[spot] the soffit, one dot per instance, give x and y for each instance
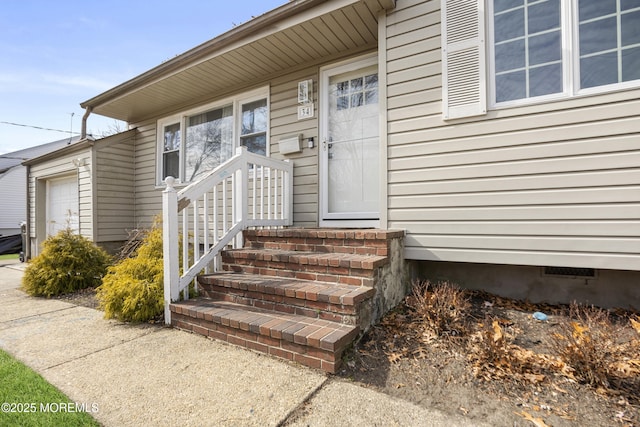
(322, 31)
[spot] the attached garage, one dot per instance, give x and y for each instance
(87, 186)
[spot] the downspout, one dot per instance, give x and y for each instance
(27, 248)
(83, 130)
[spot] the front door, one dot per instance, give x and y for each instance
(349, 151)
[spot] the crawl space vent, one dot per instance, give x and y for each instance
(570, 272)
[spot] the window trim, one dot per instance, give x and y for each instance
(570, 61)
(181, 118)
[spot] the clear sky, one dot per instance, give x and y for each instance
(57, 54)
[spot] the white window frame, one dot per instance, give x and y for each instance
(570, 61)
(182, 117)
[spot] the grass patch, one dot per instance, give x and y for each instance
(9, 256)
(34, 400)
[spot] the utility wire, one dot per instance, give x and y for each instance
(38, 127)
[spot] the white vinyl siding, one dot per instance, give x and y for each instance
(13, 193)
(284, 122)
(114, 192)
(547, 184)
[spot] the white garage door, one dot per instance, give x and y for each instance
(62, 204)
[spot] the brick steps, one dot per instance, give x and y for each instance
(351, 269)
(298, 294)
(328, 301)
(312, 342)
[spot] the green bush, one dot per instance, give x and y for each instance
(132, 290)
(68, 262)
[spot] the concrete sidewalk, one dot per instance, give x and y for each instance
(151, 375)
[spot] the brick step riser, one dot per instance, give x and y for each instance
(360, 247)
(346, 279)
(328, 361)
(283, 304)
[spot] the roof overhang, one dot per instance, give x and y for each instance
(81, 146)
(295, 35)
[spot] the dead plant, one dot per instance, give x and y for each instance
(494, 355)
(588, 342)
(443, 306)
(130, 247)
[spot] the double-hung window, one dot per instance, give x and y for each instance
(502, 53)
(196, 142)
(545, 49)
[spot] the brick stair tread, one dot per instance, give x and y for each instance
(326, 233)
(311, 290)
(316, 333)
(330, 259)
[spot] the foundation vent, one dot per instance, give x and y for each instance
(570, 272)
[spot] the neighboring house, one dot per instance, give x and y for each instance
(13, 183)
(504, 137)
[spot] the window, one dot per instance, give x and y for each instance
(211, 135)
(543, 49)
(171, 151)
(357, 92)
(253, 130)
(209, 141)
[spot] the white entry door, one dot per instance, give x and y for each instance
(350, 143)
(62, 204)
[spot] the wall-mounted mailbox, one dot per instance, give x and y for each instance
(290, 144)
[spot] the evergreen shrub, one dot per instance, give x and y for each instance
(68, 262)
(132, 290)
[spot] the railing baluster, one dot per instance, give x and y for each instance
(254, 181)
(262, 192)
(185, 240)
(269, 193)
(205, 230)
(197, 216)
(224, 206)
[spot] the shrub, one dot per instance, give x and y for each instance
(68, 262)
(133, 289)
(443, 306)
(587, 343)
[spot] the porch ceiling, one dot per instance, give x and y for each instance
(296, 34)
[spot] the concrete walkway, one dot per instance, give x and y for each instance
(150, 375)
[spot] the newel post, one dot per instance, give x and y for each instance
(240, 195)
(170, 246)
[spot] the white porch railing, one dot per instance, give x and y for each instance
(248, 190)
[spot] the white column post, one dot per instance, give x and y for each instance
(170, 246)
